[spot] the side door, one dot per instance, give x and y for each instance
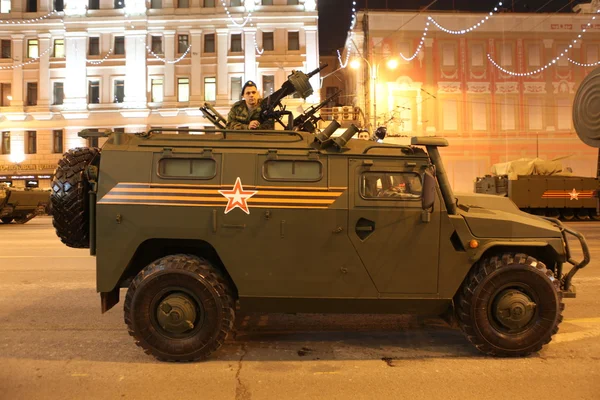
(398, 249)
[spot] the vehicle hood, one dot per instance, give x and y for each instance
(490, 216)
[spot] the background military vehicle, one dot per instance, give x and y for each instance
(284, 221)
(21, 205)
(543, 188)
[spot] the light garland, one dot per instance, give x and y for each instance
(98, 62)
(246, 19)
(29, 21)
(349, 40)
(34, 59)
(554, 60)
(256, 44)
(584, 65)
(165, 60)
(419, 46)
(472, 28)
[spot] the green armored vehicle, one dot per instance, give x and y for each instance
(21, 205)
(290, 221)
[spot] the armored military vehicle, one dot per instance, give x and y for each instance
(286, 221)
(21, 205)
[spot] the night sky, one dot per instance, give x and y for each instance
(334, 15)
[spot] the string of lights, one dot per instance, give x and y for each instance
(246, 19)
(419, 46)
(584, 65)
(165, 60)
(549, 64)
(98, 62)
(464, 31)
(33, 59)
(28, 21)
(344, 64)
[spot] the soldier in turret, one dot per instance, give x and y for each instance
(245, 114)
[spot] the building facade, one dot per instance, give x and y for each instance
(133, 65)
(450, 87)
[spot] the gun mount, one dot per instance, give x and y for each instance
(213, 116)
(307, 121)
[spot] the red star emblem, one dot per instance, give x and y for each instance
(237, 197)
(574, 195)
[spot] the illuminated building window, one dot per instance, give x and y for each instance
(119, 90)
(94, 46)
(507, 114)
(183, 4)
(5, 142)
(119, 44)
(59, 5)
(5, 6)
(477, 55)
(236, 42)
(535, 114)
(59, 93)
(33, 48)
(5, 89)
(183, 89)
(119, 3)
(94, 92)
(157, 44)
(30, 142)
(6, 49)
(59, 48)
(267, 2)
(57, 141)
(93, 4)
(182, 43)
(293, 40)
(210, 89)
(209, 3)
(448, 55)
(157, 90)
(479, 110)
(209, 43)
(505, 52)
(31, 6)
(236, 88)
(268, 44)
(32, 93)
(564, 114)
(450, 115)
(268, 84)
(235, 3)
(156, 4)
(533, 55)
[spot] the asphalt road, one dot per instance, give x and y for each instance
(55, 344)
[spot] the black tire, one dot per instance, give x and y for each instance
(490, 282)
(204, 288)
(6, 220)
(69, 196)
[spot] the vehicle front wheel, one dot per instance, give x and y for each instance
(179, 308)
(6, 220)
(510, 305)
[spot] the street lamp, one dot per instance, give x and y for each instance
(373, 76)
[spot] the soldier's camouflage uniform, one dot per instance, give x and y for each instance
(239, 117)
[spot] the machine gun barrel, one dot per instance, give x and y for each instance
(309, 115)
(316, 71)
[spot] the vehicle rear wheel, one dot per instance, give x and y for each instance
(6, 220)
(583, 215)
(69, 196)
(510, 305)
(179, 308)
(567, 214)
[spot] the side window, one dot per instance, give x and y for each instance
(292, 170)
(391, 185)
(192, 168)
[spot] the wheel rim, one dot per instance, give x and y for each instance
(177, 313)
(513, 309)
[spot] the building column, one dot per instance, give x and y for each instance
(196, 97)
(222, 68)
(250, 55)
(170, 96)
(135, 69)
(312, 62)
(46, 6)
(17, 6)
(76, 71)
(44, 71)
(430, 114)
(549, 108)
(17, 73)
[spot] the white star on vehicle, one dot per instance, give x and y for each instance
(574, 195)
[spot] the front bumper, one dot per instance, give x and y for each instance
(565, 280)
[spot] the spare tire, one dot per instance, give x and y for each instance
(69, 197)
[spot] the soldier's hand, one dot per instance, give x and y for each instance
(253, 124)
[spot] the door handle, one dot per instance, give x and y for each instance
(364, 228)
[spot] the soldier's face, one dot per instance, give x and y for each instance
(251, 96)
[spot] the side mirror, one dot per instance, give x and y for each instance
(428, 197)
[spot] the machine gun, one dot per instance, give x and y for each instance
(307, 121)
(213, 116)
(298, 81)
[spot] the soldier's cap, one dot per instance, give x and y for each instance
(249, 83)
